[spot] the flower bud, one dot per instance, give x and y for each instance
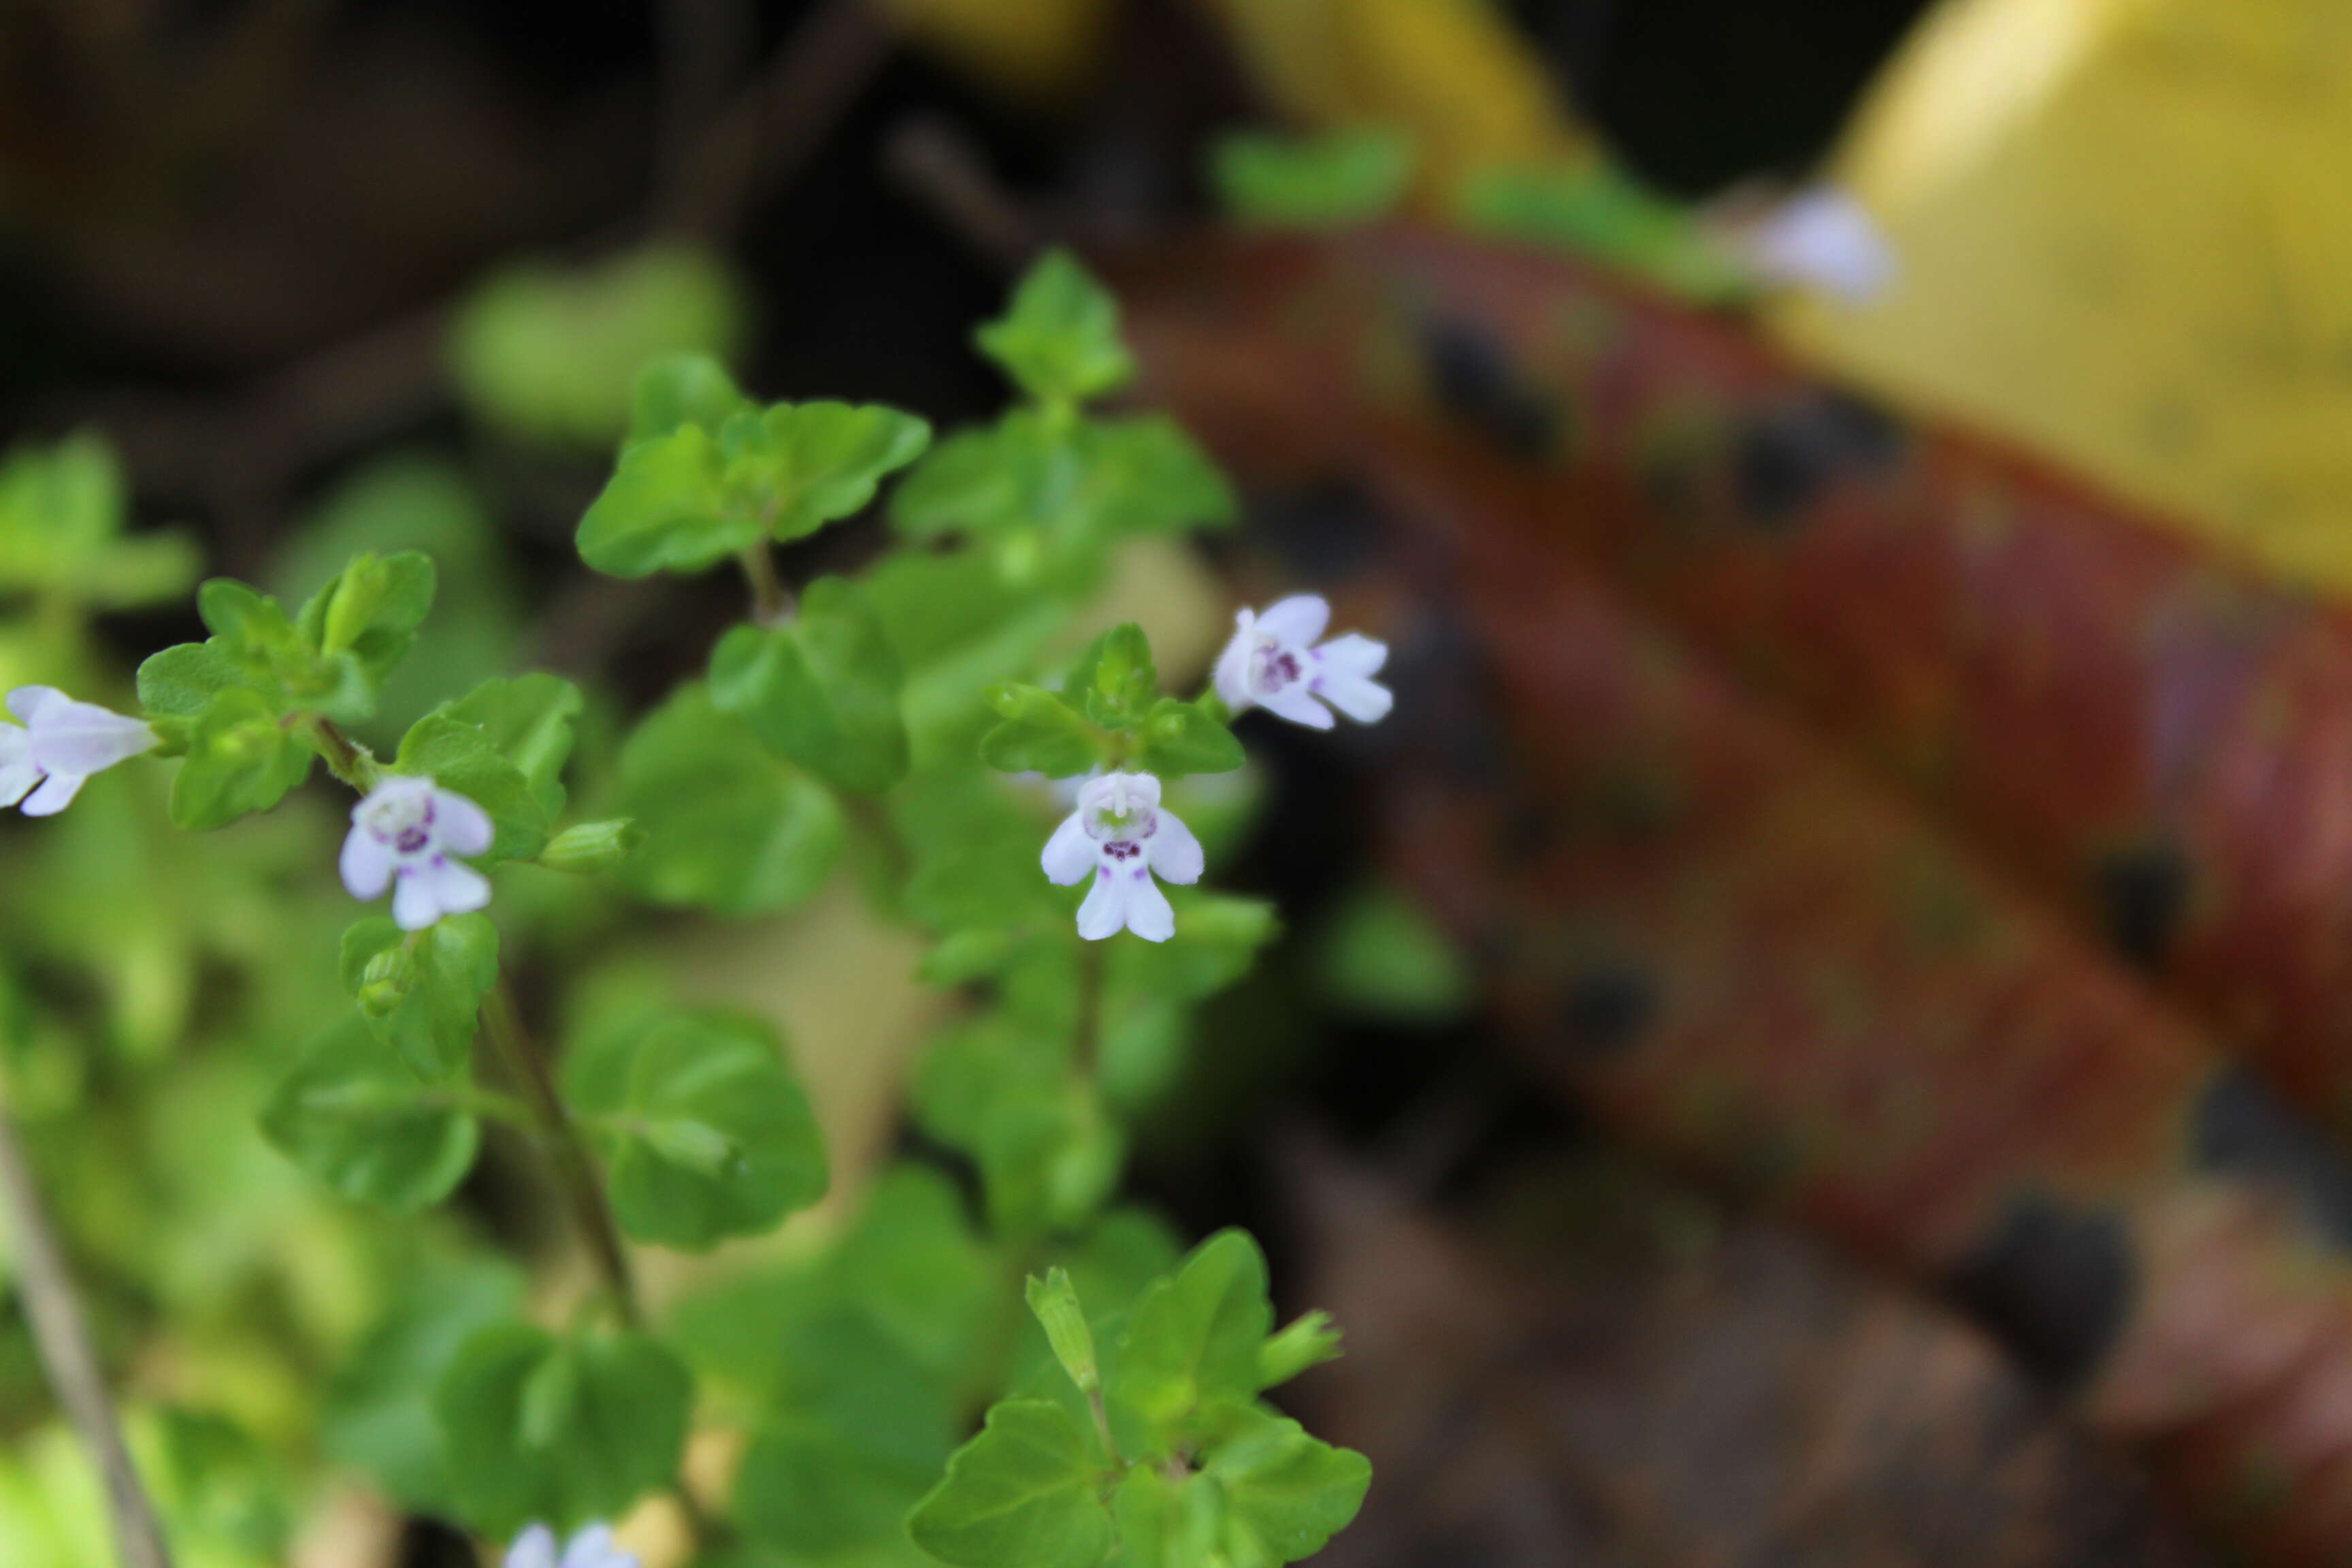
(1055, 1302)
(387, 980)
(590, 846)
(1309, 1342)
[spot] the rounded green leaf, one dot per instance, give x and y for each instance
(1025, 1493)
(727, 825)
(1285, 1493)
(1192, 1340)
(564, 1431)
(1059, 342)
(818, 462)
(426, 1008)
(682, 389)
(664, 510)
(710, 1134)
(822, 690)
(355, 1116)
(240, 759)
(467, 757)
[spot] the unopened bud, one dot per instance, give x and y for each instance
(1055, 1302)
(589, 847)
(386, 981)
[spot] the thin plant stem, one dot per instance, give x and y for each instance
(1091, 994)
(345, 758)
(576, 1174)
(61, 1335)
(771, 601)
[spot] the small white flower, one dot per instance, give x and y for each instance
(62, 743)
(1822, 240)
(411, 829)
(1119, 834)
(1272, 663)
(592, 1548)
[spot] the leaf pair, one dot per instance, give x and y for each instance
(1108, 713)
(706, 474)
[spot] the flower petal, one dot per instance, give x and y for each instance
(1232, 676)
(464, 826)
(15, 779)
(70, 737)
(1295, 703)
(1298, 620)
(1148, 914)
(457, 888)
(1174, 851)
(415, 904)
(593, 1548)
(28, 702)
(1104, 910)
(534, 1548)
(56, 793)
(1354, 654)
(1069, 853)
(366, 864)
(1365, 701)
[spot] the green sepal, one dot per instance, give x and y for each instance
(1059, 341)
(560, 1430)
(821, 690)
(355, 1116)
(705, 1126)
(1055, 1303)
(586, 848)
(423, 1004)
(1308, 1342)
(1027, 1492)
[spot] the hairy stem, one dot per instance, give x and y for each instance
(345, 758)
(575, 1174)
(61, 1336)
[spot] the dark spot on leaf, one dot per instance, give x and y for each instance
(2054, 1282)
(1476, 384)
(1607, 1007)
(2244, 1130)
(1788, 455)
(2142, 895)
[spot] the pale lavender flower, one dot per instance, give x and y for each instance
(592, 1548)
(411, 830)
(1825, 240)
(1119, 834)
(62, 743)
(1274, 662)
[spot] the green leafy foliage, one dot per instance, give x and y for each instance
(1600, 210)
(821, 690)
(1115, 682)
(537, 1428)
(1059, 342)
(63, 509)
(241, 758)
(1025, 1493)
(355, 1117)
(1285, 1493)
(1192, 1343)
(1333, 180)
(546, 351)
(727, 825)
(707, 1131)
(421, 992)
(1181, 738)
(1039, 732)
(706, 474)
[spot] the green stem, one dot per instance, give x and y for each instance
(771, 601)
(1088, 1051)
(345, 758)
(575, 1174)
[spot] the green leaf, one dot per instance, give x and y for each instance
(1114, 680)
(1191, 1341)
(426, 1006)
(547, 351)
(1039, 732)
(467, 758)
(249, 625)
(680, 390)
(370, 611)
(241, 758)
(818, 462)
(1383, 957)
(1308, 1341)
(1181, 738)
(665, 509)
(377, 1416)
(355, 1116)
(1025, 1493)
(529, 723)
(1169, 1523)
(727, 825)
(1144, 475)
(822, 690)
(1059, 342)
(709, 1133)
(1333, 180)
(539, 1429)
(62, 511)
(1285, 1493)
